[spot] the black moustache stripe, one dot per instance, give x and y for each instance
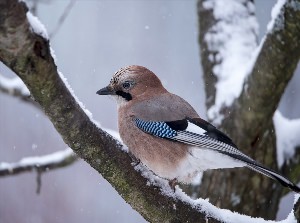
(124, 95)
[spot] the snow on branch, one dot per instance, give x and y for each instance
(36, 25)
(277, 18)
(231, 41)
(13, 86)
(287, 135)
(203, 205)
(40, 163)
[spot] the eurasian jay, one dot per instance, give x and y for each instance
(167, 135)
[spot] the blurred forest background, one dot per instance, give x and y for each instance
(96, 39)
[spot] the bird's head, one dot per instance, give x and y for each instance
(132, 82)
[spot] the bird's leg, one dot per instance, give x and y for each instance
(135, 160)
(173, 183)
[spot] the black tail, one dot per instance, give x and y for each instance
(276, 176)
(254, 165)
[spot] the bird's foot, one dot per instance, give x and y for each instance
(173, 183)
(135, 161)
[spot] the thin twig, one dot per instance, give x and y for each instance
(15, 87)
(39, 163)
(62, 18)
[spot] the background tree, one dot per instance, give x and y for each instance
(28, 55)
(253, 79)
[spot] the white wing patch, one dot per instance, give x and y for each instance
(195, 129)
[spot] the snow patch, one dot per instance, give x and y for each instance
(51, 158)
(86, 111)
(203, 205)
(155, 180)
(277, 20)
(13, 84)
(232, 42)
(287, 137)
(56, 157)
(114, 133)
(36, 25)
(116, 136)
(52, 52)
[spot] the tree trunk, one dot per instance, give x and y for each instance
(248, 121)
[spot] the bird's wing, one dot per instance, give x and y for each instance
(199, 133)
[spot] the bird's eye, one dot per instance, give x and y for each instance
(126, 85)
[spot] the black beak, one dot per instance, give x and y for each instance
(106, 91)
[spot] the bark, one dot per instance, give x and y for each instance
(207, 65)
(248, 121)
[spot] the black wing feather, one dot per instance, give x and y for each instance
(178, 124)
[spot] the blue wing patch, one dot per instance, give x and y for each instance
(159, 129)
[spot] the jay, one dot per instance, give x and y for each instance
(166, 134)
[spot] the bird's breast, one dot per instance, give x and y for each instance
(164, 157)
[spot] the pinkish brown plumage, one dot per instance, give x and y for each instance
(148, 102)
(166, 134)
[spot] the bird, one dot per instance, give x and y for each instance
(165, 133)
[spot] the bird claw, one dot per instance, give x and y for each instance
(135, 161)
(173, 183)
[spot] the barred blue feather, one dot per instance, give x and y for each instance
(159, 129)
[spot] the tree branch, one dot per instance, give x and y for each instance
(16, 88)
(279, 54)
(40, 163)
(253, 111)
(248, 119)
(28, 55)
(62, 18)
(228, 37)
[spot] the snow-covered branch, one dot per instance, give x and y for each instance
(62, 18)
(274, 66)
(213, 213)
(244, 74)
(39, 163)
(15, 87)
